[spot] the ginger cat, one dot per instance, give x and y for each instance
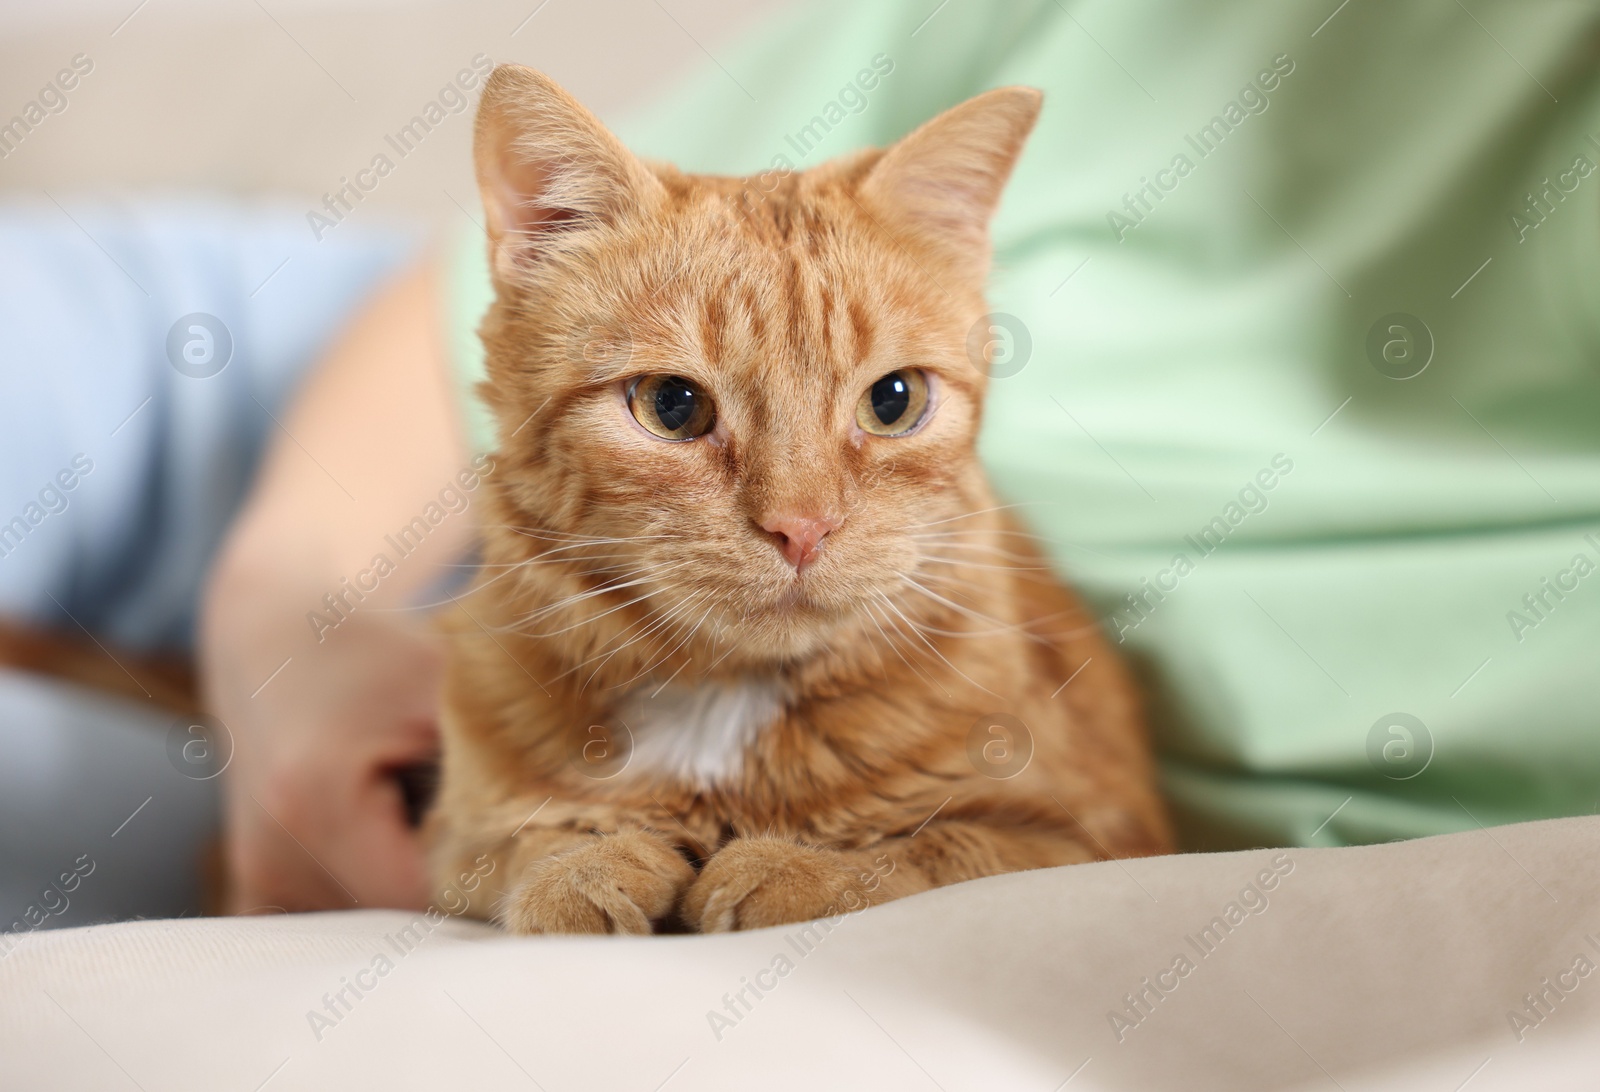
(754, 642)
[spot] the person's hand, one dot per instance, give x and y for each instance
(314, 817)
(320, 721)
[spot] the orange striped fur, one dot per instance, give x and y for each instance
(657, 718)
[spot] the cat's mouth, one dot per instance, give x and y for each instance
(805, 601)
(794, 603)
(788, 600)
(794, 596)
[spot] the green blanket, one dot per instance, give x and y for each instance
(1299, 306)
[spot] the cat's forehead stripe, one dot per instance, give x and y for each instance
(861, 330)
(825, 306)
(776, 305)
(755, 315)
(713, 327)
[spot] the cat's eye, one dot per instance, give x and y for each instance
(895, 404)
(671, 407)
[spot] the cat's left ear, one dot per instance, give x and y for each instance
(548, 168)
(942, 183)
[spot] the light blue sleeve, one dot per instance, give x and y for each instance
(147, 354)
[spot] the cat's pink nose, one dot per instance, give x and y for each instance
(799, 538)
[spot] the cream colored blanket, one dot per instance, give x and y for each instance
(1460, 962)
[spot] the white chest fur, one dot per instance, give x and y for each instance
(697, 733)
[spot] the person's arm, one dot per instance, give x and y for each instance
(320, 720)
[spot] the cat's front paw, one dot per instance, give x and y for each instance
(755, 882)
(619, 883)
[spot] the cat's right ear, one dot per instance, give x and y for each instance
(547, 168)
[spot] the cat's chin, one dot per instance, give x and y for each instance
(793, 628)
(771, 650)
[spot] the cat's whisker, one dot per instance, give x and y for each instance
(665, 621)
(732, 648)
(867, 612)
(964, 563)
(973, 541)
(967, 515)
(653, 620)
(1041, 540)
(606, 652)
(612, 582)
(918, 630)
(511, 568)
(623, 572)
(590, 620)
(545, 535)
(656, 693)
(674, 649)
(983, 549)
(532, 618)
(557, 532)
(538, 559)
(650, 573)
(922, 653)
(508, 567)
(705, 616)
(972, 532)
(997, 559)
(1031, 629)
(576, 625)
(894, 646)
(667, 617)
(959, 580)
(549, 557)
(979, 534)
(999, 625)
(928, 627)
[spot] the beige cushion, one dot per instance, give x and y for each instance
(1390, 966)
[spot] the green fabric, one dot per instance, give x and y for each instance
(1225, 335)
(467, 293)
